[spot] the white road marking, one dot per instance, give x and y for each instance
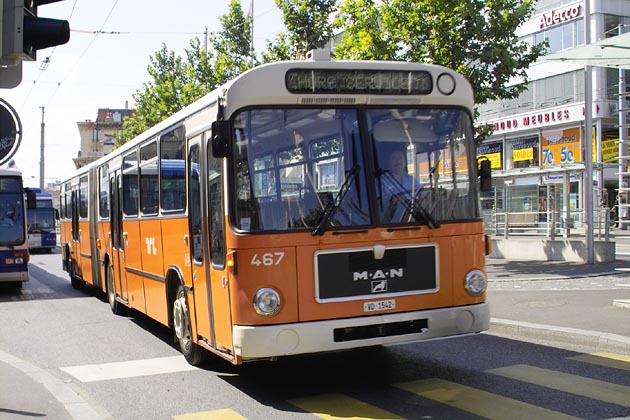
(129, 369)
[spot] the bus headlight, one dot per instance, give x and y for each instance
(19, 260)
(475, 282)
(266, 302)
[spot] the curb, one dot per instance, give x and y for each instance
(616, 272)
(584, 341)
(78, 405)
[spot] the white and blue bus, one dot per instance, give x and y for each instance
(41, 220)
(13, 240)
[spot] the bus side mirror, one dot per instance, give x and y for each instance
(485, 174)
(31, 198)
(56, 214)
(221, 139)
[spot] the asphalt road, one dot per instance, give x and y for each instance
(76, 360)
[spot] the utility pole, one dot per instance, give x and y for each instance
(588, 144)
(41, 154)
(622, 191)
(205, 40)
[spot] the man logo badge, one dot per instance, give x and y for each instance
(379, 286)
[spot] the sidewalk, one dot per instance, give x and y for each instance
(580, 307)
(28, 391)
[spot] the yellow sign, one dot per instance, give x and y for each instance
(494, 158)
(523, 154)
(610, 150)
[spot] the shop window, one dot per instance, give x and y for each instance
(522, 152)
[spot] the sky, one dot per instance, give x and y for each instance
(104, 70)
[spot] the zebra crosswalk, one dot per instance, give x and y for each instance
(466, 399)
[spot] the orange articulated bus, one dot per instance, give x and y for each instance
(302, 207)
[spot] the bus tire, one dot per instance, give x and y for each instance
(116, 307)
(193, 354)
(75, 281)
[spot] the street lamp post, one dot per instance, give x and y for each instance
(41, 154)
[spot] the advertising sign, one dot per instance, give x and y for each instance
(10, 132)
(610, 150)
(561, 147)
(491, 151)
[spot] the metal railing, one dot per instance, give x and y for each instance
(547, 224)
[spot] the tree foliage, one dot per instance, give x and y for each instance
(178, 81)
(233, 44)
(474, 37)
(309, 25)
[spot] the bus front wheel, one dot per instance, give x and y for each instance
(194, 354)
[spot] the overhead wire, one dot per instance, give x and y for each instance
(96, 33)
(83, 53)
(43, 68)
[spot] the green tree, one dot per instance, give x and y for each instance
(474, 37)
(159, 98)
(177, 81)
(279, 49)
(308, 26)
(233, 45)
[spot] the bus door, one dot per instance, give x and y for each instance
(118, 250)
(131, 232)
(219, 276)
(212, 299)
(75, 244)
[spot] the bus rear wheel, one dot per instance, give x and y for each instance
(193, 354)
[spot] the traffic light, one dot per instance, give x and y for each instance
(23, 32)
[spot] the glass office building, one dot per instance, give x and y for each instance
(537, 148)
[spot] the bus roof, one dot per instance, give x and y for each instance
(10, 172)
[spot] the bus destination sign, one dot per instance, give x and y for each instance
(379, 82)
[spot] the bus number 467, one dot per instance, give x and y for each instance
(267, 259)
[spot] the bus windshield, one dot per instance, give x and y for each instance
(41, 220)
(303, 168)
(11, 212)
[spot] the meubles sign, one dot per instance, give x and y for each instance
(560, 15)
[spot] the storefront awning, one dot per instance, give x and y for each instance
(609, 52)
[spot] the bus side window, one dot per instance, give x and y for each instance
(130, 185)
(173, 171)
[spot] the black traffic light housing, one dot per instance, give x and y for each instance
(40, 33)
(24, 32)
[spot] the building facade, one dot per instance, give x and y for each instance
(98, 137)
(537, 148)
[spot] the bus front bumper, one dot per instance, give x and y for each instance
(263, 342)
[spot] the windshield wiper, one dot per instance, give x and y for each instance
(333, 205)
(411, 203)
(418, 212)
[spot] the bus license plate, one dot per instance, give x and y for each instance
(379, 305)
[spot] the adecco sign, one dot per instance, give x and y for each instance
(10, 131)
(560, 15)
